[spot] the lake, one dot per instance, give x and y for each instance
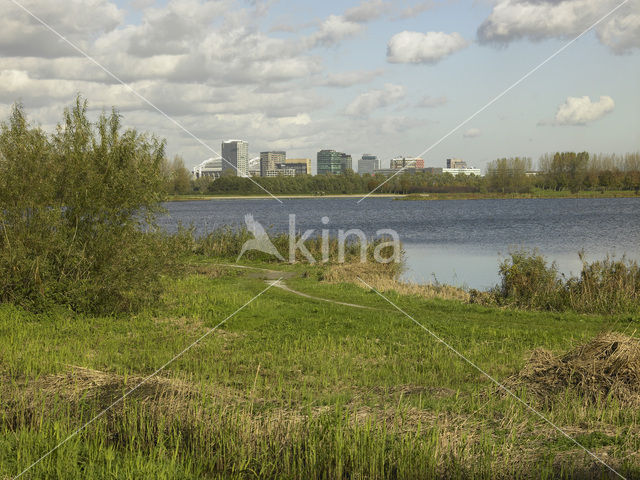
(458, 242)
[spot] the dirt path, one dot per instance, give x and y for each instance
(335, 302)
(270, 275)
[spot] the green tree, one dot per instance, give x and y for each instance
(179, 181)
(72, 209)
(509, 175)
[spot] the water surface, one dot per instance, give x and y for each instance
(459, 242)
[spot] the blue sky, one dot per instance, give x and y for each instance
(389, 78)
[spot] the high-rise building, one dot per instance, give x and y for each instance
(268, 161)
(236, 154)
(398, 163)
(330, 161)
(368, 163)
(302, 166)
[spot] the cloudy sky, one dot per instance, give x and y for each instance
(376, 76)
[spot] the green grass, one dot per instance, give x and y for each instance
(295, 388)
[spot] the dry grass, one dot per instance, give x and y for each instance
(607, 366)
(465, 434)
(80, 383)
(384, 277)
(209, 270)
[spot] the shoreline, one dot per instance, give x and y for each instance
(417, 197)
(189, 198)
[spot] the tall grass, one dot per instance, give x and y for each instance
(226, 243)
(603, 286)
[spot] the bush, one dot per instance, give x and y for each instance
(72, 210)
(606, 286)
(528, 282)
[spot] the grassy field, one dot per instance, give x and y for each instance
(295, 387)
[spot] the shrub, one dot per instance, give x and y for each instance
(528, 282)
(72, 208)
(605, 286)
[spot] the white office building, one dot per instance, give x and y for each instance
(236, 154)
(463, 171)
(368, 163)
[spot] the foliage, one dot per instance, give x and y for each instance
(604, 286)
(402, 183)
(509, 175)
(226, 243)
(178, 177)
(72, 208)
(529, 282)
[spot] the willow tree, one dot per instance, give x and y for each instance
(73, 209)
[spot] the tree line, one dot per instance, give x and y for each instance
(560, 171)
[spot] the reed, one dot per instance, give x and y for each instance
(529, 281)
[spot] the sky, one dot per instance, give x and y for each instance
(383, 77)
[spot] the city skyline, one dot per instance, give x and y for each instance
(357, 76)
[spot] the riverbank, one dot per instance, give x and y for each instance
(533, 195)
(301, 382)
(425, 196)
(183, 198)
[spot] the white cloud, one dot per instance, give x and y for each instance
(415, 10)
(622, 33)
(333, 30)
(417, 47)
(348, 79)
(336, 28)
(172, 29)
(539, 19)
(367, 11)
(472, 133)
(431, 102)
(367, 102)
(78, 20)
(581, 110)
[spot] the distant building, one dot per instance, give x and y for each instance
(457, 166)
(281, 170)
(254, 167)
(463, 171)
(236, 154)
(398, 163)
(268, 161)
(368, 163)
(332, 162)
(456, 163)
(211, 167)
(302, 166)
